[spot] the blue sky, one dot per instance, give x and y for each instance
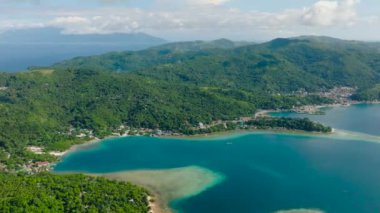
(199, 19)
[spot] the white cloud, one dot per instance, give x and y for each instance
(330, 13)
(14, 25)
(95, 24)
(44, 1)
(205, 19)
(207, 2)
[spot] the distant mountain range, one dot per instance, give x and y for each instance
(281, 65)
(20, 49)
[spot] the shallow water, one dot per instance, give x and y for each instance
(262, 172)
(363, 118)
(171, 184)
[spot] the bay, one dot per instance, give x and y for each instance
(256, 172)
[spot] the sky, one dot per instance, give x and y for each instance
(252, 20)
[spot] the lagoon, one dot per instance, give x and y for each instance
(364, 118)
(251, 172)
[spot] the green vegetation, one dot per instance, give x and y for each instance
(49, 109)
(265, 123)
(68, 193)
(368, 94)
(310, 64)
(303, 124)
(174, 87)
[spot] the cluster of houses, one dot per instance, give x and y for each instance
(82, 133)
(79, 133)
(125, 130)
(34, 167)
(341, 95)
(121, 131)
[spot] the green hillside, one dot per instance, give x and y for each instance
(281, 65)
(40, 107)
(174, 87)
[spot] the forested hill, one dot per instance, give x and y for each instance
(281, 65)
(48, 107)
(202, 45)
(163, 54)
(174, 87)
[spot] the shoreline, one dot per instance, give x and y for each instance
(336, 134)
(242, 132)
(155, 204)
(164, 186)
(158, 205)
(315, 108)
(155, 198)
(213, 135)
(85, 144)
(216, 135)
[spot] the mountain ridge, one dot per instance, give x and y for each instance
(324, 65)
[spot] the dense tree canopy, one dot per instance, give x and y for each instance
(174, 87)
(281, 65)
(40, 107)
(69, 193)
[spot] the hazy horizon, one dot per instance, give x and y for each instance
(175, 40)
(184, 20)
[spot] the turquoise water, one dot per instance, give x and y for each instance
(360, 118)
(263, 172)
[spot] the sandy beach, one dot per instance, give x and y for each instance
(84, 145)
(157, 206)
(300, 211)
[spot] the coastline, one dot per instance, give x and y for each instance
(169, 185)
(230, 133)
(84, 145)
(313, 109)
(155, 201)
(164, 186)
(221, 134)
(156, 205)
(158, 201)
(336, 134)
(206, 136)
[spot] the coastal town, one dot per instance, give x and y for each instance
(190, 106)
(340, 96)
(88, 137)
